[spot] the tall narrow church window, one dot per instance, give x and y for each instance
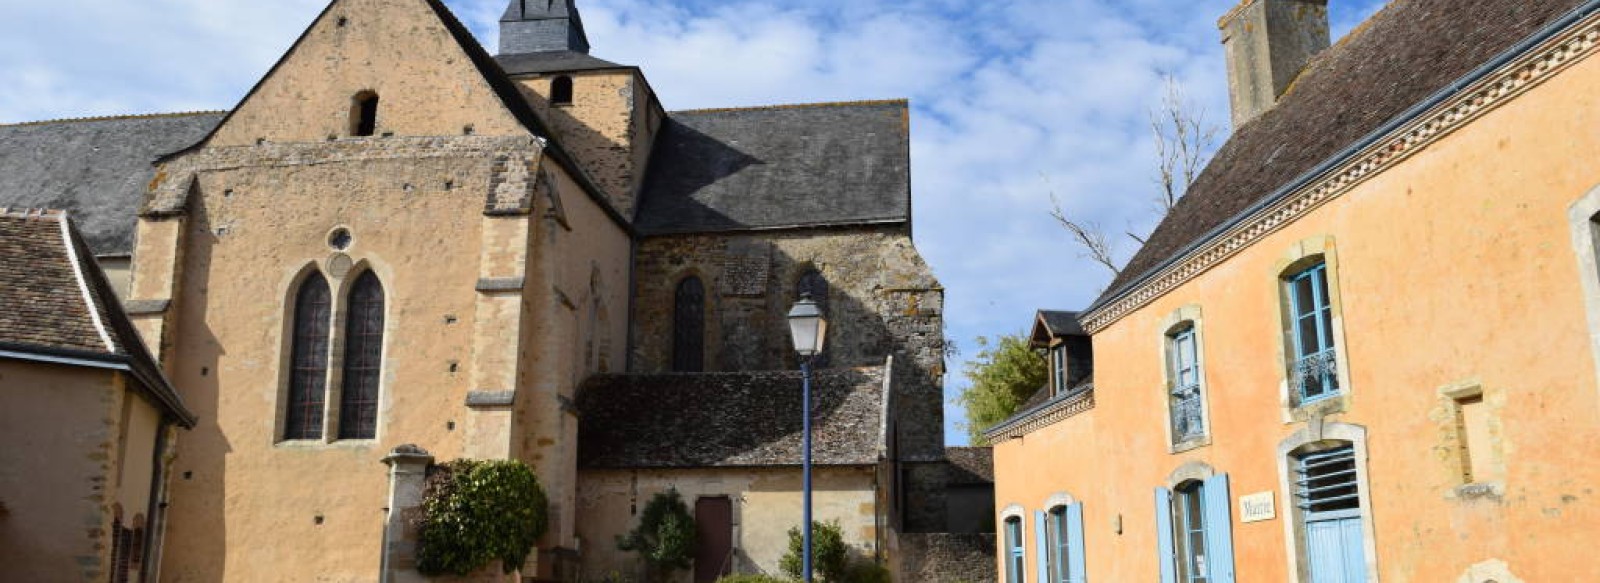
(308, 378)
(364, 114)
(689, 327)
(813, 284)
(363, 360)
(561, 91)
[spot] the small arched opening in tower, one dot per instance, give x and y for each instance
(561, 91)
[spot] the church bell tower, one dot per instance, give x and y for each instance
(540, 26)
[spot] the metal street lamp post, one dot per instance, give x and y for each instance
(809, 328)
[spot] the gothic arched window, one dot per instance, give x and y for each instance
(561, 91)
(363, 360)
(689, 326)
(308, 379)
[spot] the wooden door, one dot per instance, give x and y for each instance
(713, 537)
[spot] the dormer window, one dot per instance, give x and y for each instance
(364, 114)
(1058, 368)
(561, 91)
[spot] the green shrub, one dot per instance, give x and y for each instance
(753, 579)
(665, 535)
(477, 511)
(829, 555)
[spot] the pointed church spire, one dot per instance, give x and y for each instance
(537, 26)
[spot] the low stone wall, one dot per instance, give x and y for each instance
(947, 558)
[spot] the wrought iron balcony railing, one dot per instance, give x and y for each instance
(1187, 422)
(1316, 375)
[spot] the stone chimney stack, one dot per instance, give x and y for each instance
(1268, 43)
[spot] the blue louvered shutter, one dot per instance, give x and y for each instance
(1077, 571)
(1219, 529)
(1041, 548)
(1164, 552)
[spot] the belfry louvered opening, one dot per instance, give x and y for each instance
(1326, 485)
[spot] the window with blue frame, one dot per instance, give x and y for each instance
(1314, 370)
(1058, 369)
(1194, 530)
(1184, 398)
(1014, 558)
(1061, 545)
(1189, 531)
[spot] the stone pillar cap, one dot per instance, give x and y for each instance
(408, 454)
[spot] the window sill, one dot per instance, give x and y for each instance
(317, 444)
(1323, 407)
(1489, 491)
(1190, 444)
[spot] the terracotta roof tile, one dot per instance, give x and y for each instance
(55, 301)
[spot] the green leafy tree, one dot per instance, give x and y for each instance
(665, 535)
(830, 557)
(477, 511)
(1005, 373)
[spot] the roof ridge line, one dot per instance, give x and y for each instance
(114, 117)
(818, 104)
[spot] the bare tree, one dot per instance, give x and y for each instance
(1089, 236)
(1184, 142)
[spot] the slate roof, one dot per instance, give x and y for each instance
(46, 311)
(95, 169)
(1402, 55)
(973, 465)
(786, 166)
(553, 62)
(1060, 323)
(745, 419)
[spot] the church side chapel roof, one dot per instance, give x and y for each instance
(773, 167)
(95, 169)
(56, 303)
(747, 419)
(1405, 53)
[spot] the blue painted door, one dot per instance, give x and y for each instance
(1335, 550)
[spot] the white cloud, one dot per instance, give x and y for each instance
(1013, 99)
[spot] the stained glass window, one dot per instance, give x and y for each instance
(308, 360)
(363, 360)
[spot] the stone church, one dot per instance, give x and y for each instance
(399, 249)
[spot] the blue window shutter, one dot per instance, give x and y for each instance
(1077, 569)
(1164, 552)
(1219, 529)
(1041, 557)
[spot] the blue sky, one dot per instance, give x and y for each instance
(1013, 100)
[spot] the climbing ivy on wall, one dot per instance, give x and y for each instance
(477, 511)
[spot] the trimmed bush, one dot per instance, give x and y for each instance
(475, 512)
